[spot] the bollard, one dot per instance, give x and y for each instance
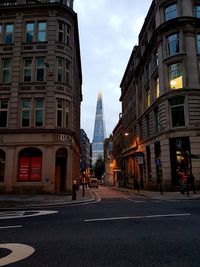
(74, 188)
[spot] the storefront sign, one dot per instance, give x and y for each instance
(140, 160)
(24, 168)
(36, 166)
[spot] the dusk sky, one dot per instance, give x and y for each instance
(108, 31)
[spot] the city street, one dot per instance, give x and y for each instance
(118, 229)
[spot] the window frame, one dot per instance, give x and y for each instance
(5, 111)
(39, 31)
(173, 77)
(175, 106)
(173, 45)
(167, 15)
(26, 69)
(7, 33)
(196, 12)
(25, 109)
(40, 68)
(38, 109)
(29, 31)
(6, 69)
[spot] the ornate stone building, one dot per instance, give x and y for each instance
(160, 95)
(40, 95)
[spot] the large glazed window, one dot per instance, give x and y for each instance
(26, 112)
(29, 32)
(177, 112)
(40, 69)
(30, 165)
(176, 76)
(27, 69)
(41, 32)
(6, 70)
(3, 113)
(39, 112)
(170, 12)
(173, 46)
(9, 34)
(197, 10)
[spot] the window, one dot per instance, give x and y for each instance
(171, 12)
(9, 34)
(41, 32)
(68, 34)
(67, 77)
(197, 11)
(177, 112)
(176, 76)
(59, 112)
(62, 113)
(26, 109)
(148, 97)
(27, 70)
(173, 44)
(39, 112)
(40, 69)
(3, 113)
(61, 32)
(198, 43)
(6, 71)
(60, 67)
(157, 87)
(66, 114)
(29, 32)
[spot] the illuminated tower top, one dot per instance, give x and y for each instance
(99, 131)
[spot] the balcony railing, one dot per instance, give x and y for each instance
(9, 3)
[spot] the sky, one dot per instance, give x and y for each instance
(108, 31)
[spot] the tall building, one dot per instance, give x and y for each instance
(85, 153)
(160, 95)
(99, 131)
(40, 95)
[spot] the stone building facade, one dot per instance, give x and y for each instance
(40, 96)
(160, 95)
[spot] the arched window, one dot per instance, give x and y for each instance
(30, 165)
(2, 165)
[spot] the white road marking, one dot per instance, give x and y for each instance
(129, 199)
(137, 217)
(18, 253)
(11, 226)
(22, 214)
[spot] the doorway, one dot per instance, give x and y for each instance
(61, 170)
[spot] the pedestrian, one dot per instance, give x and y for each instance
(191, 182)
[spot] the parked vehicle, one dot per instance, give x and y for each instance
(93, 182)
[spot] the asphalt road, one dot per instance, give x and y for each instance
(120, 230)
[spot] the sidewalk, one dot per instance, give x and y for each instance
(41, 201)
(157, 195)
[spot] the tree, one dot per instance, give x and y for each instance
(99, 168)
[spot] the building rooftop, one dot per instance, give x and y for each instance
(9, 3)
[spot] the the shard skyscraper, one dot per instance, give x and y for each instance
(99, 132)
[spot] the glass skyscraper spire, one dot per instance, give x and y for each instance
(99, 132)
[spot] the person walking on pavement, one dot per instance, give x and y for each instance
(191, 182)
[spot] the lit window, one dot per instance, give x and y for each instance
(198, 43)
(148, 95)
(173, 44)
(157, 87)
(177, 111)
(26, 108)
(6, 71)
(39, 112)
(29, 32)
(27, 70)
(41, 32)
(9, 34)
(197, 11)
(176, 76)
(3, 113)
(171, 12)
(40, 69)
